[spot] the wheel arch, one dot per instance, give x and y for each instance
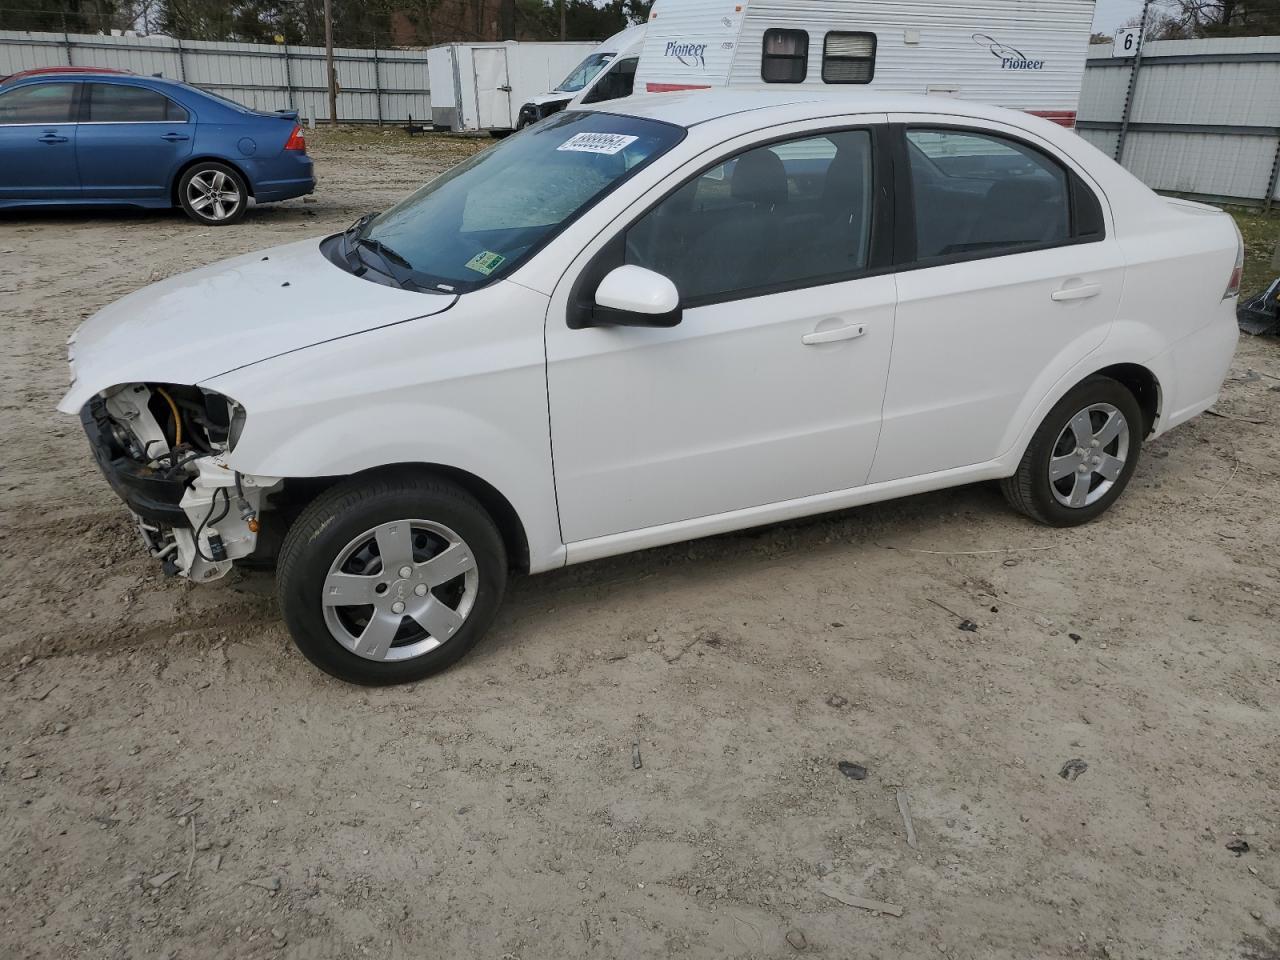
(302, 490)
(1143, 384)
(192, 161)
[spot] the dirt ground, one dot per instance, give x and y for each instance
(176, 781)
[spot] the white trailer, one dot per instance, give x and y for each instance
(480, 86)
(1024, 54)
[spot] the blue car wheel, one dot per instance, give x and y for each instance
(212, 193)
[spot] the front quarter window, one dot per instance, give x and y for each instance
(483, 218)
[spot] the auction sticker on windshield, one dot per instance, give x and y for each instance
(486, 261)
(598, 142)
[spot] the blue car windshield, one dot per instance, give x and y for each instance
(483, 218)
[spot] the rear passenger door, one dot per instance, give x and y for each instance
(1007, 277)
(38, 142)
(132, 139)
(769, 388)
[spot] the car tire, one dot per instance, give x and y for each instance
(334, 551)
(213, 194)
(1081, 457)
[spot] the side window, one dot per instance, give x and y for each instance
(786, 56)
(977, 192)
(118, 103)
(848, 57)
(38, 103)
(617, 82)
(783, 215)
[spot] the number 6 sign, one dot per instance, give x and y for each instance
(1126, 42)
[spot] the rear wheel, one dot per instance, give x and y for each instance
(1081, 457)
(390, 580)
(213, 194)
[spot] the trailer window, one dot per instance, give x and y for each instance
(848, 57)
(786, 56)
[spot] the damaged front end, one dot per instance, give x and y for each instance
(163, 449)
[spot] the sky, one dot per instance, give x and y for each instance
(1109, 14)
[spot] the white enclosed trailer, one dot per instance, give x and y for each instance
(1024, 54)
(480, 86)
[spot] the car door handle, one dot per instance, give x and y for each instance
(174, 137)
(1081, 291)
(830, 336)
(52, 138)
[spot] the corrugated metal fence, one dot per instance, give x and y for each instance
(374, 85)
(1204, 116)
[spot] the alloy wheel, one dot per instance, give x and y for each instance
(400, 590)
(213, 194)
(1089, 455)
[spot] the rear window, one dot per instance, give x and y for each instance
(120, 103)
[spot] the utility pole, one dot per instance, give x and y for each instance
(328, 62)
(562, 34)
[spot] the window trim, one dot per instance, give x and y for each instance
(86, 105)
(766, 56)
(74, 112)
(580, 304)
(871, 59)
(904, 224)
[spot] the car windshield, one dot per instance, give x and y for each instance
(583, 72)
(479, 221)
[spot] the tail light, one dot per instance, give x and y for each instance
(296, 140)
(1237, 272)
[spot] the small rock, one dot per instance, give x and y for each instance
(416, 805)
(1072, 769)
(969, 625)
(24, 662)
(1075, 636)
(60, 727)
(837, 701)
(160, 879)
(1194, 618)
(271, 884)
(1041, 621)
(29, 774)
(854, 771)
(797, 939)
(1256, 914)
(1238, 846)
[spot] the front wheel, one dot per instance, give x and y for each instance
(1081, 457)
(213, 194)
(388, 580)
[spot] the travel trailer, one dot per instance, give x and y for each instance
(1024, 54)
(480, 86)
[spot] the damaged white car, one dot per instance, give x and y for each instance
(669, 317)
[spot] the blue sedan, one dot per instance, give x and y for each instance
(102, 139)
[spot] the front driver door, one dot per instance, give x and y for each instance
(770, 387)
(38, 142)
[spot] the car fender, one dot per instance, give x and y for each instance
(466, 390)
(1127, 341)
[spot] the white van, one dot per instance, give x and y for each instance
(1024, 54)
(622, 50)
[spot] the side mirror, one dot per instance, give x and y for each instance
(631, 296)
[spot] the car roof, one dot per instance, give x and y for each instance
(688, 108)
(65, 71)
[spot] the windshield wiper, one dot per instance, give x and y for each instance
(393, 264)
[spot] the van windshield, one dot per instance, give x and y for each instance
(483, 218)
(584, 71)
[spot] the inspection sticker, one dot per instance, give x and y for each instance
(486, 261)
(598, 142)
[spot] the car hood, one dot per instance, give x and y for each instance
(197, 325)
(552, 97)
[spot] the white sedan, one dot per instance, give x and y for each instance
(668, 317)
